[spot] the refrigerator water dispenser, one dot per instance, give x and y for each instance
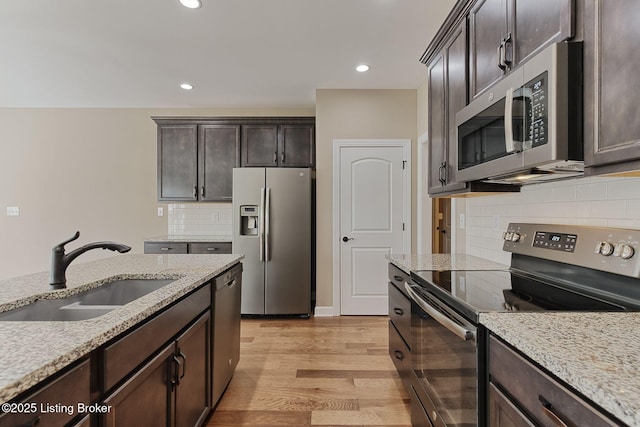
(249, 220)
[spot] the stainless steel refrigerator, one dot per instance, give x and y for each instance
(272, 227)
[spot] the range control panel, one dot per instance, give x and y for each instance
(608, 249)
(556, 241)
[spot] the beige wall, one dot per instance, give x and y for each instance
(92, 170)
(353, 114)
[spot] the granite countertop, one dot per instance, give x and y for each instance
(408, 262)
(32, 351)
(181, 238)
(596, 353)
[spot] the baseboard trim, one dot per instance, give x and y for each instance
(323, 311)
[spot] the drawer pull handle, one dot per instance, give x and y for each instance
(165, 249)
(398, 311)
(397, 278)
(548, 411)
(399, 355)
(212, 249)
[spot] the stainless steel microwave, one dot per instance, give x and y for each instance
(528, 127)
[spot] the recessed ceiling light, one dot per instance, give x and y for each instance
(362, 68)
(186, 86)
(191, 4)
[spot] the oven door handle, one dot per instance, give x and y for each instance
(460, 331)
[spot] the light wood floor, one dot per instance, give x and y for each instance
(314, 372)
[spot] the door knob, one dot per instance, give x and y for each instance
(346, 239)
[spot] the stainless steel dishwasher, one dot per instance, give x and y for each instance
(226, 329)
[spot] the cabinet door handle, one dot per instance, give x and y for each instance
(399, 355)
(176, 374)
(548, 411)
(506, 62)
(275, 157)
(282, 157)
(500, 53)
(398, 311)
(184, 364)
(397, 278)
(202, 191)
(195, 192)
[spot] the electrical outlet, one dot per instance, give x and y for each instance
(160, 211)
(461, 222)
(13, 211)
(215, 217)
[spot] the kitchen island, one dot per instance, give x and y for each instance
(34, 351)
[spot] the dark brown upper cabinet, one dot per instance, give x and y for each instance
(611, 58)
(218, 154)
(195, 162)
(505, 33)
(178, 162)
(447, 80)
(278, 145)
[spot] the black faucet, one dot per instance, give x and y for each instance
(60, 261)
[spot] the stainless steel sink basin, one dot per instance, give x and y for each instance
(88, 304)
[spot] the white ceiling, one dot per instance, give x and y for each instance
(135, 53)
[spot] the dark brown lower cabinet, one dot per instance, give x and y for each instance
(145, 399)
(171, 389)
(192, 391)
(521, 395)
(503, 412)
(67, 389)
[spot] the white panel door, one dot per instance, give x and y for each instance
(371, 225)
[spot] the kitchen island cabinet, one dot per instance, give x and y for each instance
(162, 338)
(174, 383)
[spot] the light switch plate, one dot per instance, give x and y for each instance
(160, 211)
(13, 211)
(461, 222)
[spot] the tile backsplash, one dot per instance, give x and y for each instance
(597, 201)
(200, 219)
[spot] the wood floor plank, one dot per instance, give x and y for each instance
(319, 372)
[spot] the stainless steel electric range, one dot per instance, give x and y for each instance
(553, 267)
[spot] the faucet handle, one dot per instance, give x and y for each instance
(60, 247)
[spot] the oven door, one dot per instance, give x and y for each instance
(445, 360)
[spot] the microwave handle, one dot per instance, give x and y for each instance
(510, 144)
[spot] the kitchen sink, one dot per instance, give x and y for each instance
(88, 304)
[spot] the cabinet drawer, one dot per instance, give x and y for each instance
(400, 313)
(210, 248)
(400, 354)
(165, 248)
(529, 386)
(122, 356)
(398, 277)
(68, 390)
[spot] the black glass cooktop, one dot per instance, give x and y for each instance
(473, 292)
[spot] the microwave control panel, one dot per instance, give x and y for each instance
(538, 125)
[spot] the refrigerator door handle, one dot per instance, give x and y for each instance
(261, 225)
(267, 256)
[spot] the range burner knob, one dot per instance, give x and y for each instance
(604, 248)
(515, 237)
(624, 251)
(507, 236)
